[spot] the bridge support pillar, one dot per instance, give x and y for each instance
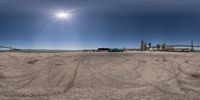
(192, 45)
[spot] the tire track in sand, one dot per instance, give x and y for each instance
(49, 91)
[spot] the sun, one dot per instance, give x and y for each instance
(63, 15)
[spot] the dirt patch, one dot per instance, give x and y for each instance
(32, 61)
(164, 60)
(144, 61)
(196, 75)
(186, 61)
(2, 76)
(58, 64)
(2, 66)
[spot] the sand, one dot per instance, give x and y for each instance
(99, 76)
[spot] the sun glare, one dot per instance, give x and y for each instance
(63, 15)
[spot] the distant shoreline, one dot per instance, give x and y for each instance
(40, 51)
(63, 51)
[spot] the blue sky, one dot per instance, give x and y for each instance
(98, 23)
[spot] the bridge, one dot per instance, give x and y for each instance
(5, 47)
(183, 46)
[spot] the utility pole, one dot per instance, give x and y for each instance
(192, 45)
(10, 47)
(142, 46)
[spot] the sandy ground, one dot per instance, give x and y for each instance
(100, 76)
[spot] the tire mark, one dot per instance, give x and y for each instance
(67, 87)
